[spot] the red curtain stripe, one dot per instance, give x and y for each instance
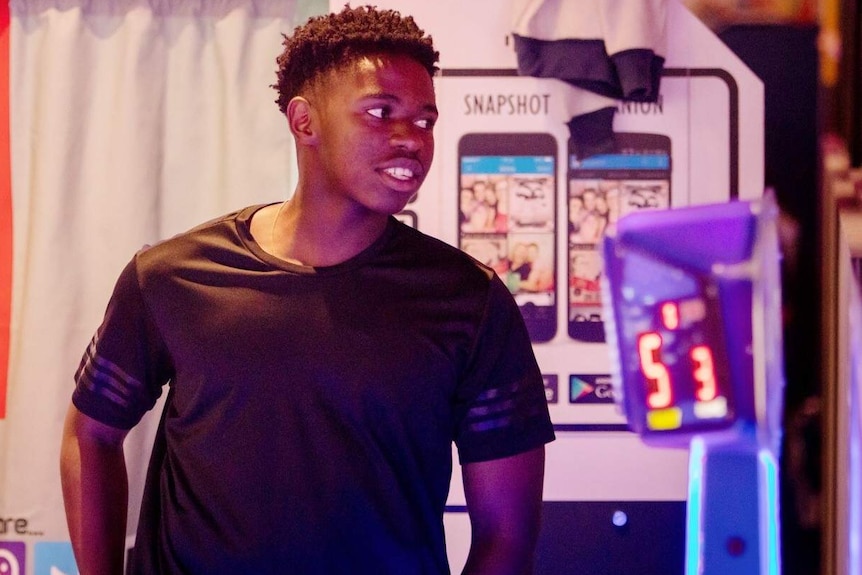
(5, 207)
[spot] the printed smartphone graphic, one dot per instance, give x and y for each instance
(602, 188)
(507, 218)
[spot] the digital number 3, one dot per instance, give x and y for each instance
(704, 373)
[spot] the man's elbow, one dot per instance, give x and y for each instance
(504, 552)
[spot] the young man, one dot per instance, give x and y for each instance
(321, 357)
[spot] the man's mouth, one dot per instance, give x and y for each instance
(403, 174)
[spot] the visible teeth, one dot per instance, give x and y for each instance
(399, 173)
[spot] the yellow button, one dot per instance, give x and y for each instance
(664, 419)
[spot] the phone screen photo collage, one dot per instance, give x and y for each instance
(602, 188)
(507, 216)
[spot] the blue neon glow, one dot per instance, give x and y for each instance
(622, 162)
(694, 509)
(770, 543)
(854, 522)
(507, 165)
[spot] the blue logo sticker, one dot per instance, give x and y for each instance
(13, 558)
(55, 559)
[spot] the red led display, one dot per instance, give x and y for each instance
(660, 389)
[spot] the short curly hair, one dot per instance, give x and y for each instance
(331, 41)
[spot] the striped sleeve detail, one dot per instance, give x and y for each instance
(105, 378)
(502, 408)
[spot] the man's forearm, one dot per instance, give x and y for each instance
(95, 494)
(504, 500)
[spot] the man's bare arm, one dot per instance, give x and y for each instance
(95, 492)
(504, 500)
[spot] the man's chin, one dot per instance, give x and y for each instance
(400, 203)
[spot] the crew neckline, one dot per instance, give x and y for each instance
(243, 226)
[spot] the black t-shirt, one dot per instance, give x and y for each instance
(312, 410)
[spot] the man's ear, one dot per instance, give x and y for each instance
(301, 119)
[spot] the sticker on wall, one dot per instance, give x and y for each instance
(54, 558)
(13, 555)
(590, 389)
(586, 403)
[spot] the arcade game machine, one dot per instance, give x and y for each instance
(694, 297)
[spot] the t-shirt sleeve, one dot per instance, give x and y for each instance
(501, 398)
(122, 372)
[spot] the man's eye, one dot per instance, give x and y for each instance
(425, 123)
(379, 113)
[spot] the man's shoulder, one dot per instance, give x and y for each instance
(433, 250)
(217, 232)
(218, 221)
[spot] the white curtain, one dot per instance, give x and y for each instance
(131, 121)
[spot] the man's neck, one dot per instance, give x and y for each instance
(314, 233)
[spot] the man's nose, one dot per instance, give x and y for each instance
(406, 135)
